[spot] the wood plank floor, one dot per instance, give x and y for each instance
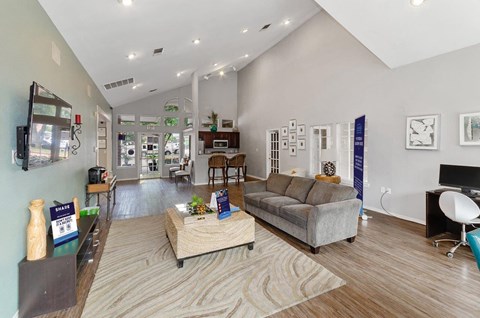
(391, 270)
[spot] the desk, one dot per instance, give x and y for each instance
(436, 221)
(106, 189)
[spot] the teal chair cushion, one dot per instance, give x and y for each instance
(473, 238)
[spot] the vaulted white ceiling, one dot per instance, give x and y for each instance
(399, 33)
(102, 34)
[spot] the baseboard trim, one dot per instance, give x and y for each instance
(15, 315)
(129, 179)
(403, 217)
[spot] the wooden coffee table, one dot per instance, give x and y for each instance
(196, 239)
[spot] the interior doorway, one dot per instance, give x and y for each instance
(104, 140)
(149, 156)
(273, 151)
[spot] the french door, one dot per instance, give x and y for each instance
(273, 151)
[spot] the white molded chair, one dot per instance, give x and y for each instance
(185, 173)
(461, 209)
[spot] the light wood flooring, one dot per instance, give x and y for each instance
(391, 269)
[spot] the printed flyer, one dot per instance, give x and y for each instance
(64, 223)
(223, 204)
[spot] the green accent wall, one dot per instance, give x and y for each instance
(26, 38)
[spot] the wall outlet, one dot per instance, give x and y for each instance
(382, 189)
(389, 191)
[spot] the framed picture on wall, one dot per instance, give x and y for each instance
(293, 150)
(284, 131)
(423, 132)
(301, 130)
(292, 124)
(302, 144)
(284, 144)
(293, 137)
(470, 129)
(102, 132)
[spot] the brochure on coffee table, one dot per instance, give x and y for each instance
(223, 204)
(64, 223)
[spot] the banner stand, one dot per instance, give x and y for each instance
(358, 160)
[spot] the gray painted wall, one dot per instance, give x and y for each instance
(218, 94)
(26, 37)
(321, 74)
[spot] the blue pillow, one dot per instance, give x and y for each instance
(473, 238)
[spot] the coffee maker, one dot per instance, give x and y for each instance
(97, 175)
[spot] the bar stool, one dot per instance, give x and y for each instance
(217, 162)
(237, 162)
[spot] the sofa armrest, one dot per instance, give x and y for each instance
(254, 186)
(332, 222)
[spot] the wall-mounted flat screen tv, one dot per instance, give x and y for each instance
(48, 129)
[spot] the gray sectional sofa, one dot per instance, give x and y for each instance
(314, 212)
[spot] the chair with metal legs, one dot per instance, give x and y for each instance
(461, 209)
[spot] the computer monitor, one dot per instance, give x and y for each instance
(466, 178)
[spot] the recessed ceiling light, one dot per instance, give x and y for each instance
(245, 30)
(179, 74)
(416, 3)
(126, 3)
(131, 56)
(286, 22)
(215, 64)
(196, 41)
(222, 73)
(246, 56)
(134, 87)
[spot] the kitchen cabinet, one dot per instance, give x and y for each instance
(208, 138)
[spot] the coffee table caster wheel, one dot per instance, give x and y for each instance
(449, 254)
(435, 244)
(180, 264)
(250, 246)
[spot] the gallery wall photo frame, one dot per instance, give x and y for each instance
(293, 150)
(470, 129)
(422, 132)
(302, 144)
(284, 131)
(292, 137)
(292, 124)
(102, 132)
(284, 144)
(301, 130)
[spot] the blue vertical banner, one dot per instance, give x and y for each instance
(358, 157)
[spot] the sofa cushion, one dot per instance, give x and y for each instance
(256, 197)
(323, 192)
(278, 183)
(296, 214)
(299, 188)
(274, 204)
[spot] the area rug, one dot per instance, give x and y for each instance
(138, 277)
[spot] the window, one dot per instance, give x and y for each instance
(171, 121)
(186, 146)
(345, 142)
(171, 105)
(126, 149)
(321, 137)
(171, 147)
(150, 121)
(126, 120)
(188, 122)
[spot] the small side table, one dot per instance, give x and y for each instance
(105, 189)
(332, 179)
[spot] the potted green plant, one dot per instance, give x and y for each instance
(213, 121)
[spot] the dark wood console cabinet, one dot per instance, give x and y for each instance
(208, 138)
(49, 284)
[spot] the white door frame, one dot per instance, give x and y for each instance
(269, 149)
(110, 138)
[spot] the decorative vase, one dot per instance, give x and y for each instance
(213, 128)
(329, 169)
(36, 232)
(76, 205)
